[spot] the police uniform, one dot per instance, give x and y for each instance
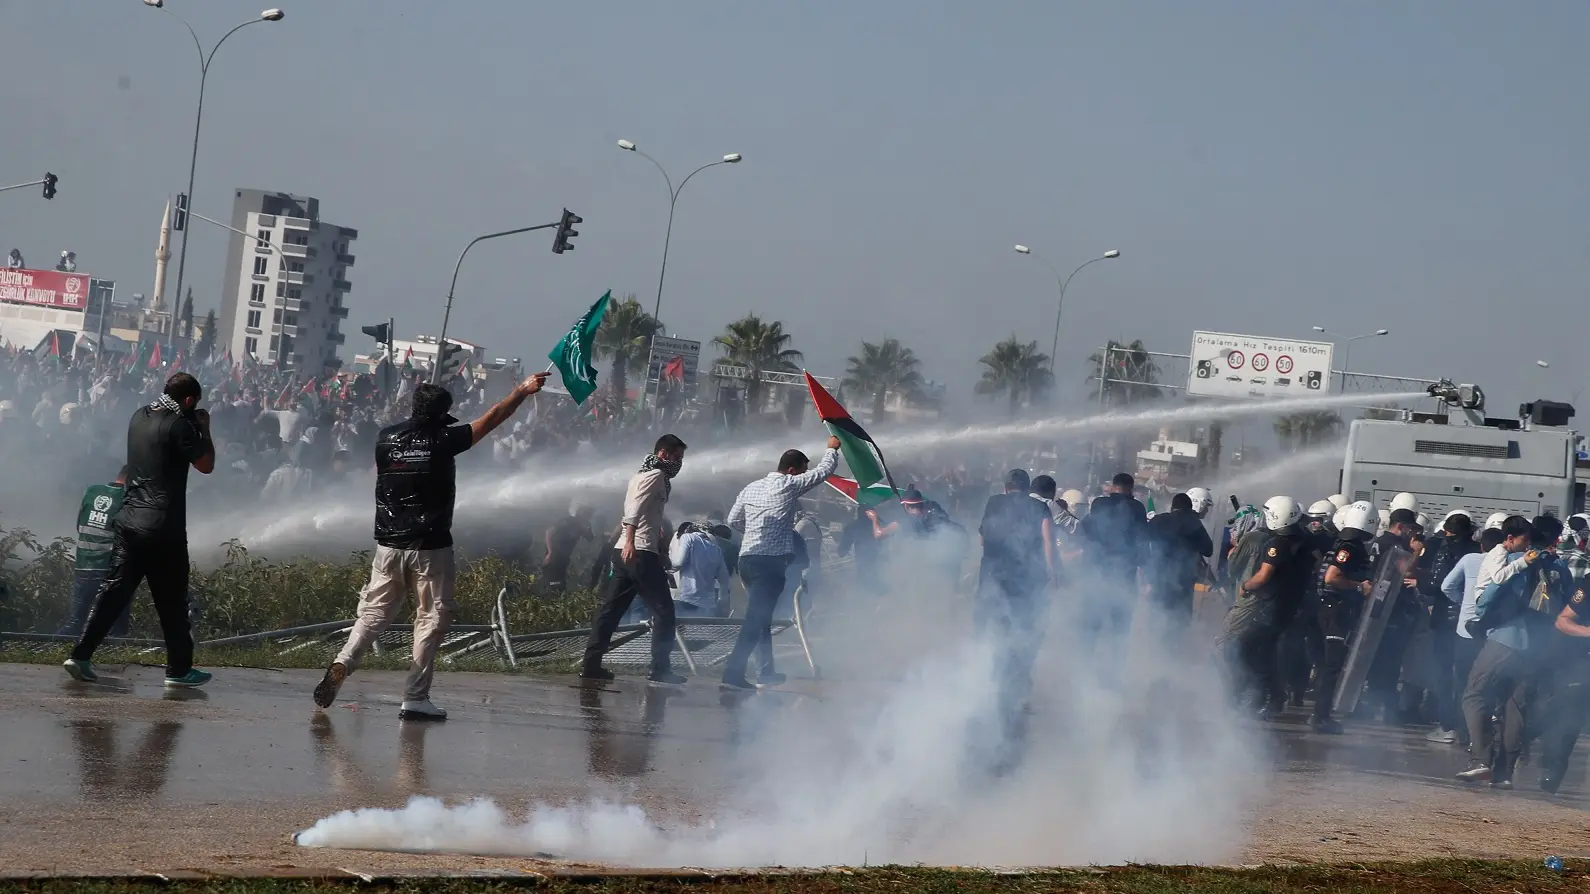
(1386, 667)
(1564, 713)
(1301, 642)
(1338, 616)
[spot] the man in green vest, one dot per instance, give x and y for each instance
(99, 506)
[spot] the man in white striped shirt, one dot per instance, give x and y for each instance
(765, 512)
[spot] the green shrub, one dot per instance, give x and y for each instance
(248, 594)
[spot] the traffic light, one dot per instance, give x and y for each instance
(566, 232)
(49, 185)
(179, 214)
(449, 359)
(378, 332)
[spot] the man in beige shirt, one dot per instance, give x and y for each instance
(638, 566)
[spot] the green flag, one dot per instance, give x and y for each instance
(1150, 506)
(572, 356)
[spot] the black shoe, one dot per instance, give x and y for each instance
(666, 678)
(1297, 700)
(598, 673)
(771, 679)
(1327, 727)
(326, 691)
(739, 683)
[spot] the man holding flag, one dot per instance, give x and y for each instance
(765, 513)
(414, 492)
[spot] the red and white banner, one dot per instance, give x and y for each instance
(44, 288)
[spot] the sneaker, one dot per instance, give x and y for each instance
(667, 678)
(193, 679)
(598, 673)
(81, 671)
(1327, 727)
(420, 710)
(739, 683)
(1442, 736)
(1504, 784)
(326, 691)
(1478, 771)
(771, 679)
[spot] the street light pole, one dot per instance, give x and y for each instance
(436, 367)
(1347, 349)
(1060, 307)
(673, 199)
(268, 15)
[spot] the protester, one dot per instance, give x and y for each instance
(703, 574)
(637, 568)
(414, 493)
(164, 440)
(764, 513)
(95, 539)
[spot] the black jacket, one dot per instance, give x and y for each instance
(414, 482)
(1115, 531)
(1177, 539)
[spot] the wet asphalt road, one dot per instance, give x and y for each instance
(76, 761)
(254, 735)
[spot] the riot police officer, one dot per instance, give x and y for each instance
(1344, 581)
(1402, 533)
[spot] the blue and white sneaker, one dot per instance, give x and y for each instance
(193, 679)
(81, 671)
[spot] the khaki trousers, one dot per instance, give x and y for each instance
(395, 574)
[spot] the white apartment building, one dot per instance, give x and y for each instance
(284, 293)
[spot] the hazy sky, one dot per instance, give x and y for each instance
(1263, 167)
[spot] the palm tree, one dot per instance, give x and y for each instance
(1131, 375)
(1308, 427)
(883, 368)
(625, 337)
(758, 347)
(1016, 370)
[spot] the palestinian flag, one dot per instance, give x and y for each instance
(154, 357)
(860, 451)
(861, 496)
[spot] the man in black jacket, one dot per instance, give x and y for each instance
(1178, 542)
(164, 440)
(414, 492)
(1113, 536)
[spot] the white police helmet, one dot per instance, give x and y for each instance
(1359, 516)
(1405, 500)
(1280, 512)
(1340, 501)
(1322, 509)
(1202, 500)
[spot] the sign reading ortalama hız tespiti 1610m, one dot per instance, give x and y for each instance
(1222, 364)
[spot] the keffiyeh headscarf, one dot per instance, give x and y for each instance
(166, 402)
(669, 468)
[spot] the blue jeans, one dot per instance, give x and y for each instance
(85, 588)
(764, 583)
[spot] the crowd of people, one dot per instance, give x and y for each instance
(1479, 630)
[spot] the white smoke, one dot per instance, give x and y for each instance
(1132, 755)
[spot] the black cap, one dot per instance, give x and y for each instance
(1017, 479)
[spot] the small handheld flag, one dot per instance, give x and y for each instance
(572, 356)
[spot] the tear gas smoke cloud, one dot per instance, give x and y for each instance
(1131, 755)
(341, 519)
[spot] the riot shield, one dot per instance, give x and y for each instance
(1372, 621)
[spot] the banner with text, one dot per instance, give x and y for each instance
(1248, 366)
(44, 288)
